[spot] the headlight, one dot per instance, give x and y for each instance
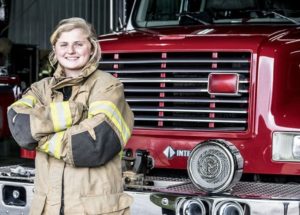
(190, 207)
(286, 146)
(229, 208)
(215, 166)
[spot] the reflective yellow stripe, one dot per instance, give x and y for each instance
(26, 101)
(53, 146)
(61, 115)
(112, 113)
(45, 147)
(121, 154)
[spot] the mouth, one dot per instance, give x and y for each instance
(72, 58)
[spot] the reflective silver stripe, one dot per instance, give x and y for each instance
(44, 147)
(55, 144)
(61, 115)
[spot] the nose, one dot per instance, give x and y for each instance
(70, 49)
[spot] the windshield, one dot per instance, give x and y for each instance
(155, 13)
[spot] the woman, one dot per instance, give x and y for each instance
(78, 121)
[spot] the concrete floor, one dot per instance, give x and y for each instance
(142, 204)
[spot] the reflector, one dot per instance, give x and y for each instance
(223, 83)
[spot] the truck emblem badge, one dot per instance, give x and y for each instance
(169, 152)
(209, 166)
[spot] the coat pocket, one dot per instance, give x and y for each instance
(106, 203)
(37, 204)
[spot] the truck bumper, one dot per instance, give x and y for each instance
(246, 198)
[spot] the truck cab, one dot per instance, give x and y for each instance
(214, 89)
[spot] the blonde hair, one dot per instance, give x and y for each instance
(69, 24)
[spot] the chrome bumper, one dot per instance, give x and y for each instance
(246, 198)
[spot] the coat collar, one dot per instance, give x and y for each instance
(60, 80)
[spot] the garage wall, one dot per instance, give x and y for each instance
(32, 21)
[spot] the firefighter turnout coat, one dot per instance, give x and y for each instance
(78, 127)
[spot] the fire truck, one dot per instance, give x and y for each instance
(214, 87)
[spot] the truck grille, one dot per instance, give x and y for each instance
(170, 90)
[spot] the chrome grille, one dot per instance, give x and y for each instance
(170, 90)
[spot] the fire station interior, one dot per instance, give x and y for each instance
(19, 60)
(24, 49)
(25, 29)
(28, 61)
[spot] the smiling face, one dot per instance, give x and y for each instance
(73, 50)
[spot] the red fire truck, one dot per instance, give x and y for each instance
(214, 86)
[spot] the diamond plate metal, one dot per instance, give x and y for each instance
(251, 190)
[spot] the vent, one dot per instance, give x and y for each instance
(170, 90)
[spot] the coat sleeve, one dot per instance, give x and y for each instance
(30, 120)
(99, 137)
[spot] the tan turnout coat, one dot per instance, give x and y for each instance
(78, 137)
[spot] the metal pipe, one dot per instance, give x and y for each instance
(111, 21)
